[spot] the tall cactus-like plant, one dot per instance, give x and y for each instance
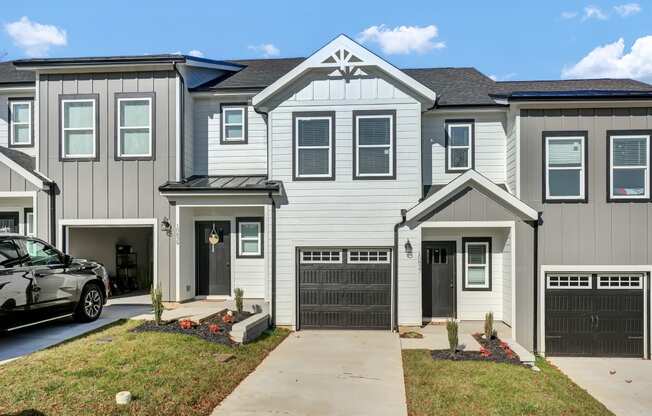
(488, 324)
(157, 303)
(239, 301)
(452, 327)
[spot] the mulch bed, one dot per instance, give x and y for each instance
(492, 350)
(202, 330)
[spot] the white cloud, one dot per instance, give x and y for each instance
(402, 39)
(568, 15)
(268, 50)
(505, 77)
(35, 38)
(627, 9)
(611, 61)
(196, 53)
(594, 12)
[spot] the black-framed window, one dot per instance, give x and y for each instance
(565, 166)
(21, 122)
(250, 237)
(313, 136)
(78, 127)
(374, 144)
(477, 273)
(460, 145)
(628, 165)
(233, 123)
(135, 118)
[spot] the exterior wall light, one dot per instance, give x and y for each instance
(166, 227)
(408, 248)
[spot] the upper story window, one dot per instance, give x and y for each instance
(79, 127)
(374, 144)
(629, 165)
(134, 126)
(477, 263)
(21, 133)
(459, 145)
(234, 123)
(314, 146)
(250, 237)
(565, 159)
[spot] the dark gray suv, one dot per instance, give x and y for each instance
(38, 283)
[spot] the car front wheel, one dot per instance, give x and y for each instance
(90, 304)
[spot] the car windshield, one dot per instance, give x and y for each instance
(40, 254)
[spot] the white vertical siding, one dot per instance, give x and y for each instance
(213, 158)
(342, 212)
(188, 135)
(490, 144)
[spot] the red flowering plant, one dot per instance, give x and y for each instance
(185, 324)
(228, 319)
(214, 328)
(485, 352)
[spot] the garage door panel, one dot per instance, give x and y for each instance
(342, 295)
(594, 320)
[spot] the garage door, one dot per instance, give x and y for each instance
(344, 289)
(594, 315)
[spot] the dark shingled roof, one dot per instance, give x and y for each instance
(201, 183)
(257, 74)
(605, 84)
(24, 160)
(10, 75)
(456, 86)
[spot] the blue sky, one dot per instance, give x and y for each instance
(507, 39)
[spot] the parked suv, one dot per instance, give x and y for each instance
(38, 282)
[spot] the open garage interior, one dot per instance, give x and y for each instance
(127, 253)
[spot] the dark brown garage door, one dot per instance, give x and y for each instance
(597, 315)
(344, 289)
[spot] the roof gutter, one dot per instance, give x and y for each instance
(395, 271)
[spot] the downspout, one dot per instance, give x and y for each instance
(395, 271)
(180, 113)
(535, 269)
(52, 192)
(273, 201)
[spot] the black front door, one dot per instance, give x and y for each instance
(9, 222)
(438, 279)
(213, 257)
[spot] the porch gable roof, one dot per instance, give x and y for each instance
(222, 184)
(472, 178)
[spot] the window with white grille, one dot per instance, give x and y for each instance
(620, 281)
(368, 256)
(569, 281)
(321, 256)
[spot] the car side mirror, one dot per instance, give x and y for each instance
(67, 260)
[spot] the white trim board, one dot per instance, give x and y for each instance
(479, 182)
(367, 58)
(589, 268)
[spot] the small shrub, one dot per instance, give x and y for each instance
(239, 294)
(157, 303)
(214, 328)
(452, 327)
(185, 324)
(488, 324)
(494, 334)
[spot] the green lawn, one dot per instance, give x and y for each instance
(168, 374)
(482, 388)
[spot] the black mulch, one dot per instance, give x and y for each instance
(202, 330)
(496, 352)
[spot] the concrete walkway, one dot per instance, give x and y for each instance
(318, 373)
(625, 393)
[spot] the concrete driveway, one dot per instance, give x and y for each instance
(624, 398)
(325, 373)
(28, 340)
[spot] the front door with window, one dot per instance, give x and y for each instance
(438, 280)
(213, 258)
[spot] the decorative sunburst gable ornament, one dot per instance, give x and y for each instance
(346, 62)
